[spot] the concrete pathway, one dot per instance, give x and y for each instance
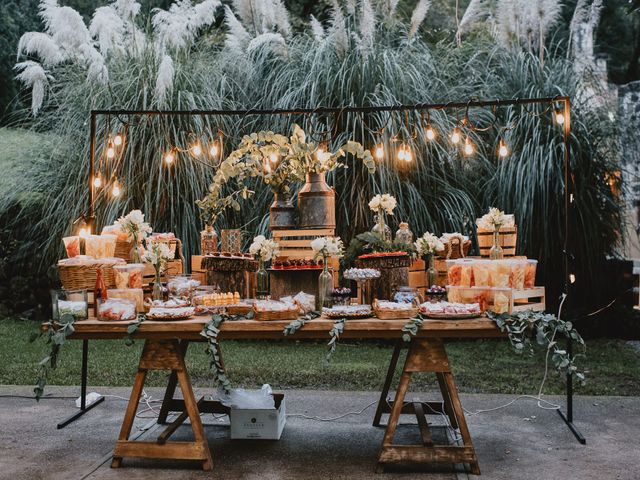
(518, 442)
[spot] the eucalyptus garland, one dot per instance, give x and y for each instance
(210, 332)
(132, 328)
(335, 332)
(57, 333)
(522, 327)
(411, 328)
(299, 322)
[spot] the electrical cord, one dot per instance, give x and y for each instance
(332, 419)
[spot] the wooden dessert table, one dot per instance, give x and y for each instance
(166, 344)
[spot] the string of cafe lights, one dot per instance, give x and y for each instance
(212, 149)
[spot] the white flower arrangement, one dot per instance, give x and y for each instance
(494, 220)
(383, 203)
(134, 226)
(157, 254)
(428, 244)
(327, 247)
(264, 248)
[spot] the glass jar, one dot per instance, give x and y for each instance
(208, 240)
(231, 240)
(381, 228)
(181, 286)
(70, 302)
(407, 295)
(404, 235)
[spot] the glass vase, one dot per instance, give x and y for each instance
(135, 250)
(262, 282)
(381, 228)
(431, 274)
(325, 287)
(496, 250)
(157, 286)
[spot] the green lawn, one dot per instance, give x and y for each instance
(488, 366)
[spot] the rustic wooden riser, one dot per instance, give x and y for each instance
(163, 355)
(425, 355)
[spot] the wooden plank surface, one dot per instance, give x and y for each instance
(370, 328)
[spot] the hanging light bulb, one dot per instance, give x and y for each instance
(169, 157)
(111, 152)
(455, 136)
(213, 150)
(273, 157)
(379, 152)
(115, 191)
(408, 156)
(402, 154)
(559, 117)
(503, 151)
(468, 147)
(572, 278)
(117, 140)
(196, 149)
(430, 132)
(97, 181)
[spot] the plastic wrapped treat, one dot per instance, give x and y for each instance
(135, 274)
(530, 273)
(116, 309)
(481, 274)
(72, 246)
(121, 276)
(466, 275)
(500, 274)
(517, 275)
(454, 273)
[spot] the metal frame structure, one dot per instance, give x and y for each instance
(563, 101)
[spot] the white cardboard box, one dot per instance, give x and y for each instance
(263, 424)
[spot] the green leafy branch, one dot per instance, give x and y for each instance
(57, 333)
(132, 328)
(299, 322)
(411, 328)
(522, 327)
(210, 332)
(335, 332)
(372, 242)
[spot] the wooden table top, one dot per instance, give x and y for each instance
(368, 328)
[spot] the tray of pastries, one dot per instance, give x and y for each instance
(347, 311)
(162, 313)
(450, 311)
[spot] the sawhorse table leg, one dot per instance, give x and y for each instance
(163, 355)
(426, 355)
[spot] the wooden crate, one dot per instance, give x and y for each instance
(174, 267)
(296, 244)
(418, 277)
(528, 299)
(508, 239)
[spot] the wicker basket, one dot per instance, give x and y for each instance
(455, 248)
(123, 250)
(75, 277)
(394, 314)
(263, 315)
(238, 309)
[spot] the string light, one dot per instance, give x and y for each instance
(84, 232)
(273, 157)
(117, 140)
(111, 152)
(196, 149)
(559, 117)
(455, 136)
(213, 150)
(572, 278)
(379, 152)
(468, 147)
(408, 156)
(401, 154)
(169, 157)
(503, 151)
(115, 191)
(97, 181)
(430, 132)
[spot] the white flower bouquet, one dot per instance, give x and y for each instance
(264, 248)
(494, 220)
(134, 226)
(428, 244)
(327, 247)
(383, 203)
(157, 254)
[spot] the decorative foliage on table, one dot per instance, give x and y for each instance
(263, 248)
(372, 242)
(494, 220)
(411, 328)
(132, 328)
(57, 333)
(210, 332)
(335, 332)
(299, 322)
(521, 327)
(279, 161)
